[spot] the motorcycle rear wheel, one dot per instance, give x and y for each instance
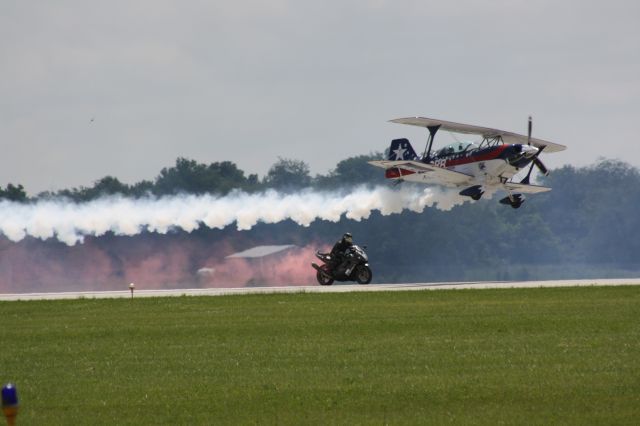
(323, 279)
(363, 274)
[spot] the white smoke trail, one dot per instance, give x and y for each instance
(69, 222)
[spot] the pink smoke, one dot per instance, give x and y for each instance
(290, 268)
(151, 262)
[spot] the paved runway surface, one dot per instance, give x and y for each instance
(318, 289)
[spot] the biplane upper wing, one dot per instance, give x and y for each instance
(526, 189)
(486, 132)
(438, 174)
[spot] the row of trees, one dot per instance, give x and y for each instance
(586, 226)
(189, 176)
(13, 193)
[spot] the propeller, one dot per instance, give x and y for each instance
(543, 169)
(535, 160)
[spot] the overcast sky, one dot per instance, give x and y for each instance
(123, 88)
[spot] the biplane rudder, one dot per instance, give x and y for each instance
(401, 149)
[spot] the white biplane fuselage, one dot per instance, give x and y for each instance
(475, 168)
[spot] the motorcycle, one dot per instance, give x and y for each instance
(355, 267)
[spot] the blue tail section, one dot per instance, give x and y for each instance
(401, 149)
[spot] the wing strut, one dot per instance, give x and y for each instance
(432, 134)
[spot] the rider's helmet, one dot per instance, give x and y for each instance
(347, 237)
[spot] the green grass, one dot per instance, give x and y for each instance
(527, 356)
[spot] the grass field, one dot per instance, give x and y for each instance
(526, 356)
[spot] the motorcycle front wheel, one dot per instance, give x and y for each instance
(323, 279)
(363, 274)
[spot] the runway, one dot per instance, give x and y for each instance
(140, 292)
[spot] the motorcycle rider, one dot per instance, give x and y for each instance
(339, 251)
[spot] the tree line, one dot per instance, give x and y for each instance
(190, 177)
(587, 226)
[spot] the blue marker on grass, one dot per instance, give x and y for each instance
(10, 403)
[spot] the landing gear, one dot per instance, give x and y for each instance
(475, 192)
(514, 200)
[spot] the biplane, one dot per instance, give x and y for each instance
(472, 167)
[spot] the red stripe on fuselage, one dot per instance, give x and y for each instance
(486, 155)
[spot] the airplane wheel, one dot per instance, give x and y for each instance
(363, 274)
(323, 279)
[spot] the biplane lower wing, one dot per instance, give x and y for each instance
(407, 168)
(524, 188)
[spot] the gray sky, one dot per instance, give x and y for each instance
(250, 81)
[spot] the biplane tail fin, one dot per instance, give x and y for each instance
(401, 149)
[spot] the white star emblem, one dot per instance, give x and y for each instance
(399, 153)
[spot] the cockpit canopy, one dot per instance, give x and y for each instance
(456, 148)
